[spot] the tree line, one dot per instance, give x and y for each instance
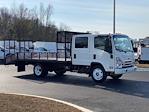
(22, 23)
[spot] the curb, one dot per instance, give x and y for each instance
(52, 99)
(142, 69)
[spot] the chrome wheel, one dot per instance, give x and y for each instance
(38, 70)
(97, 74)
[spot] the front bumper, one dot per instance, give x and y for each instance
(125, 70)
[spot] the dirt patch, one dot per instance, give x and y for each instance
(142, 65)
(17, 103)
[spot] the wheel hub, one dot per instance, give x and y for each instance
(38, 70)
(98, 74)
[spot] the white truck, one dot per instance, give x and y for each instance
(143, 50)
(97, 55)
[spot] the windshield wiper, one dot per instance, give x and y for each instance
(121, 50)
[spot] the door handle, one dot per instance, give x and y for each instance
(74, 56)
(94, 56)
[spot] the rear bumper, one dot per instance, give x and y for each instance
(125, 70)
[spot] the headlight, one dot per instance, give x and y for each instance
(119, 62)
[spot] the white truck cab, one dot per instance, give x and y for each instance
(105, 55)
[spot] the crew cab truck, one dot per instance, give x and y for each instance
(97, 55)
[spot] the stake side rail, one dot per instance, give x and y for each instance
(15, 50)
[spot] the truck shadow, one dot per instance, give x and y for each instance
(123, 86)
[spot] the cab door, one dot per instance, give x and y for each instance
(81, 50)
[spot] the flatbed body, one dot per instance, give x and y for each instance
(62, 56)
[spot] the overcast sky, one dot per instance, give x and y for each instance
(132, 16)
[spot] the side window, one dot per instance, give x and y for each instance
(103, 43)
(81, 42)
(99, 42)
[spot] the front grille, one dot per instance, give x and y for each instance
(127, 64)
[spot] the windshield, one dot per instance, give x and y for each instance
(123, 43)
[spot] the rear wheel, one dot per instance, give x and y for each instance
(98, 74)
(40, 70)
(116, 77)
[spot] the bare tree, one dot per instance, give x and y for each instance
(48, 14)
(24, 23)
(42, 13)
(5, 22)
(64, 27)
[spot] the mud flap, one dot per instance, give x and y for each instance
(21, 68)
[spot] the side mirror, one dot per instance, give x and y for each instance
(2, 50)
(108, 46)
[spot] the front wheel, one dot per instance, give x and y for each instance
(40, 70)
(98, 74)
(116, 77)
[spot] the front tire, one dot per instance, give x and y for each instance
(98, 74)
(40, 71)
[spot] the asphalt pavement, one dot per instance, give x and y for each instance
(130, 94)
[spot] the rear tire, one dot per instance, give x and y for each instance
(40, 70)
(98, 74)
(116, 77)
